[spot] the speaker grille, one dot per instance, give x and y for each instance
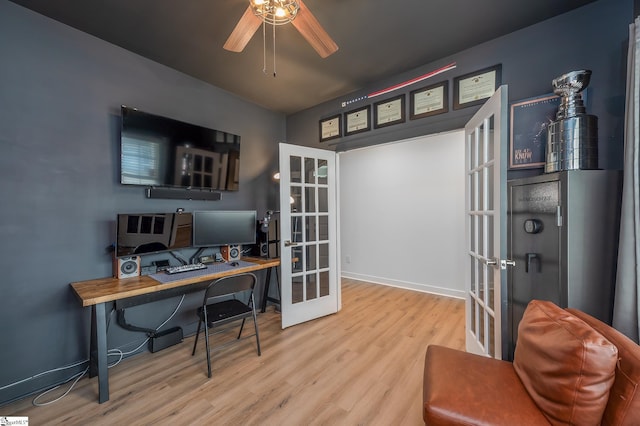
(183, 194)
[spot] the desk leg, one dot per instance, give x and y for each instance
(265, 291)
(98, 350)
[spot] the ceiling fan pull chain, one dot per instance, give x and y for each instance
(264, 47)
(274, 50)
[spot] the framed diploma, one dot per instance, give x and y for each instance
(357, 121)
(529, 121)
(429, 100)
(389, 112)
(330, 128)
(473, 88)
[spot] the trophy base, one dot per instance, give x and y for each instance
(572, 144)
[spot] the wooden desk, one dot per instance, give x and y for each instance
(97, 293)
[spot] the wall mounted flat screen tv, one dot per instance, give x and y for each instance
(162, 152)
(144, 233)
(218, 227)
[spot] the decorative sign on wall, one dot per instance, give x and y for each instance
(528, 139)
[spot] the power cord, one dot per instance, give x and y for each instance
(111, 352)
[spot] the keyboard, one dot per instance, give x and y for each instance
(185, 268)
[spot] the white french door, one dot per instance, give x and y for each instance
(309, 234)
(486, 205)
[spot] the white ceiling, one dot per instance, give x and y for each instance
(377, 39)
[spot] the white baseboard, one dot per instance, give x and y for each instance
(424, 288)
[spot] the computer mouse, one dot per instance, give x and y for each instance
(234, 264)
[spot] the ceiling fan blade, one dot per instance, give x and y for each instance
(312, 31)
(244, 30)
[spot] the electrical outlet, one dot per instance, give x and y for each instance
(347, 259)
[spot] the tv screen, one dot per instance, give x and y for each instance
(219, 228)
(160, 151)
(143, 233)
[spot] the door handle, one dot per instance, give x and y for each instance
(289, 243)
(491, 262)
(507, 262)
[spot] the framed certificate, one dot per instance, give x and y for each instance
(429, 100)
(529, 121)
(473, 88)
(357, 121)
(330, 128)
(389, 112)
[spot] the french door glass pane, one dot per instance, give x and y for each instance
(296, 229)
(481, 325)
(489, 179)
(323, 250)
(473, 317)
(296, 259)
(310, 170)
(310, 199)
(322, 172)
(312, 292)
(323, 200)
(295, 165)
(473, 275)
(324, 283)
(490, 137)
(296, 196)
(310, 228)
(492, 339)
(297, 289)
(311, 257)
(323, 228)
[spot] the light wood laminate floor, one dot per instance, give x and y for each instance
(361, 366)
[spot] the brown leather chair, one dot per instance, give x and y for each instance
(569, 368)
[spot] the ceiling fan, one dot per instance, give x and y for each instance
(279, 12)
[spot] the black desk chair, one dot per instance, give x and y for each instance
(214, 313)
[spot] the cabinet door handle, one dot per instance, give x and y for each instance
(534, 257)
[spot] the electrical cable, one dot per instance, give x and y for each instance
(111, 352)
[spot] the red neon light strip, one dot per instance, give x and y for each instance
(412, 81)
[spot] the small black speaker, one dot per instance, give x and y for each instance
(183, 194)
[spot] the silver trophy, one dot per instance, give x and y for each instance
(572, 139)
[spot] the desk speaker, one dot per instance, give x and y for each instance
(126, 267)
(231, 253)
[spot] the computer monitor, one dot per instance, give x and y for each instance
(223, 227)
(144, 233)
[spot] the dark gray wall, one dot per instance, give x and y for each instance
(593, 37)
(60, 93)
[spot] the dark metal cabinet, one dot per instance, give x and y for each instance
(563, 235)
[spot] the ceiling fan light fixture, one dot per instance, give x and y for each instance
(275, 12)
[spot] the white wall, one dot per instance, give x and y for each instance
(402, 214)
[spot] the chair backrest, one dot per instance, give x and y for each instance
(623, 407)
(230, 285)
